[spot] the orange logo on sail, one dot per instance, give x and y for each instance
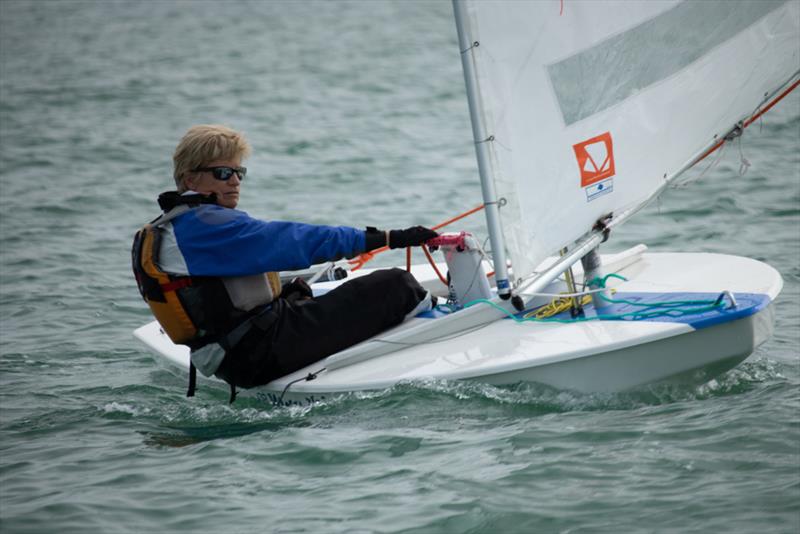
(595, 159)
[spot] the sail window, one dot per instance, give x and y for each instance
(595, 79)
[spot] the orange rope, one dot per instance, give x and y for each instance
(359, 261)
(752, 119)
(433, 264)
(364, 257)
(458, 217)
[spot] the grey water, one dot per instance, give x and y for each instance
(357, 115)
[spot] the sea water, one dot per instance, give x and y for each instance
(357, 115)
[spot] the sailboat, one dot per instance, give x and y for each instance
(582, 114)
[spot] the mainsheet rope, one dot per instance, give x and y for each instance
(365, 257)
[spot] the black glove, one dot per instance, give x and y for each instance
(410, 237)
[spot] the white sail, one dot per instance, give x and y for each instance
(590, 106)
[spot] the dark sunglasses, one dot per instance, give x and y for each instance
(224, 173)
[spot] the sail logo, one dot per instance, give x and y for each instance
(595, 159)
(598, 189)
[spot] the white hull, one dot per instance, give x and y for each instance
(585, 356)
(693, 357)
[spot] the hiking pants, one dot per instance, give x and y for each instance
(292, 334)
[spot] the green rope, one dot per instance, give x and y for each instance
(601, 282)
(633, 316)
(678, 308)
(493, 305)
(670, 304)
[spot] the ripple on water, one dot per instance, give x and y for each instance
(353, 121)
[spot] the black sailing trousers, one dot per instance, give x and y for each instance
(297, 333)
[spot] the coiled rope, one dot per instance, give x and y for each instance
(675, 308)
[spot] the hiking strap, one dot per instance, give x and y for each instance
(192, 380)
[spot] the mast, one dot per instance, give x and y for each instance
(481, 138)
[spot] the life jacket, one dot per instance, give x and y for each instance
(192, 310)
(164, 293)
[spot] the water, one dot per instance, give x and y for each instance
(357, 114)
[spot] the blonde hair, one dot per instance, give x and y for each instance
(203, 144)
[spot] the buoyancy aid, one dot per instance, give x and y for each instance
(194, 310)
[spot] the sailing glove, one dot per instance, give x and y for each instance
(410, 237)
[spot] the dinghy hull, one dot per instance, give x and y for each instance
(689, 358)
(586, 356)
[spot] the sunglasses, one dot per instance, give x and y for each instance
(224, 173)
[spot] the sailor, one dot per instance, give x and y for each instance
(210, 273)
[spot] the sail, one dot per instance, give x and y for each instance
(590, 106)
